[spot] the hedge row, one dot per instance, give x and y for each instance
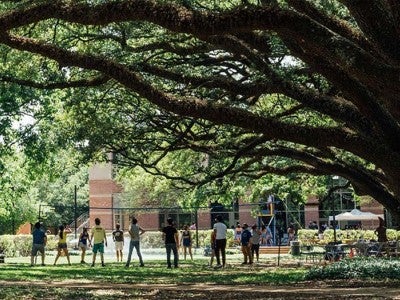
(21, 245)
(311, 235)
(362, 267)
(15, 245)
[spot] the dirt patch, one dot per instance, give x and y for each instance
(305, 290)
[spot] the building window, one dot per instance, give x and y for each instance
(180, 218)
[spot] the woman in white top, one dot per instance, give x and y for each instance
(255, 242)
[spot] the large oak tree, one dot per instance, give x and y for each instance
(250, 87)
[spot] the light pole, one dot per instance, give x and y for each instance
(40, 211)
(12, 210)
(332, 199)
(75, 212)
(333, 218)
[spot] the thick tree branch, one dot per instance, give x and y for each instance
(219, 114)
(379, 25)
(91, 82)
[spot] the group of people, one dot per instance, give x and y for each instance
(97, 239)
(249, 240)
(173, 243)
(265, 235)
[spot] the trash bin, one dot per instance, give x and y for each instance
(295, 247)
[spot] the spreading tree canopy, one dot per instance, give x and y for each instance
(227, 88)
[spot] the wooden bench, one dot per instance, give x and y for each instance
(274, 250)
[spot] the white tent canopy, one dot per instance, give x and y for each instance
(356, 215)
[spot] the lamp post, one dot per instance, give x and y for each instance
(13, 217)
(12, 210)
(333, 218)
(40, 211)
(75, 212)
(332, 199)
(197, 228)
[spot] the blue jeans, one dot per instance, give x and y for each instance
(172, 247)
(134, 244)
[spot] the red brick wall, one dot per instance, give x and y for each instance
(100, 198)
(98, 209)
(98, 187)
(374, 207)
(148, 220)
(25, 229)
(204, 219)
(245, 215)
(311, 210)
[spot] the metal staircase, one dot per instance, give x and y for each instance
(81, 221)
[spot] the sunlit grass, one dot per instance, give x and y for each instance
(21, 281)
(154, 272)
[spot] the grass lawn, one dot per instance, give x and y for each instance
(154, 272)
(194, 280)
(18, 280)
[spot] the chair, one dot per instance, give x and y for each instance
(311, 253)
(376, 249)
(393, 249)
(334, 252)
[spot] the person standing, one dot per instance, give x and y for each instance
(381, 231)
(238, 233)
(220, 241)
(291, 233)
(38, 243)
(212, 242)
(186, 242)
(245, 240)
(135, 232)
(264, 235)
(83, 243)
(255, 242)
(98, 239)
(118, 238)
(171, 238)
(62, 243)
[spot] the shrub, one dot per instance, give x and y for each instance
(153, 239)
(15, 245)
(308, 236)
(7, 245)
(371, 268)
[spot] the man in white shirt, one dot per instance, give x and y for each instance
(220, 241)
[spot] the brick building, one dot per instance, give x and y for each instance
(104, 204)
(312, 212)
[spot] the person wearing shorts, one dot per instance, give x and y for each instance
(186, 242)
(39, 243)
(83, 244)
(62, 243)
(118, 238)
(212, 246)
(98, 239)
